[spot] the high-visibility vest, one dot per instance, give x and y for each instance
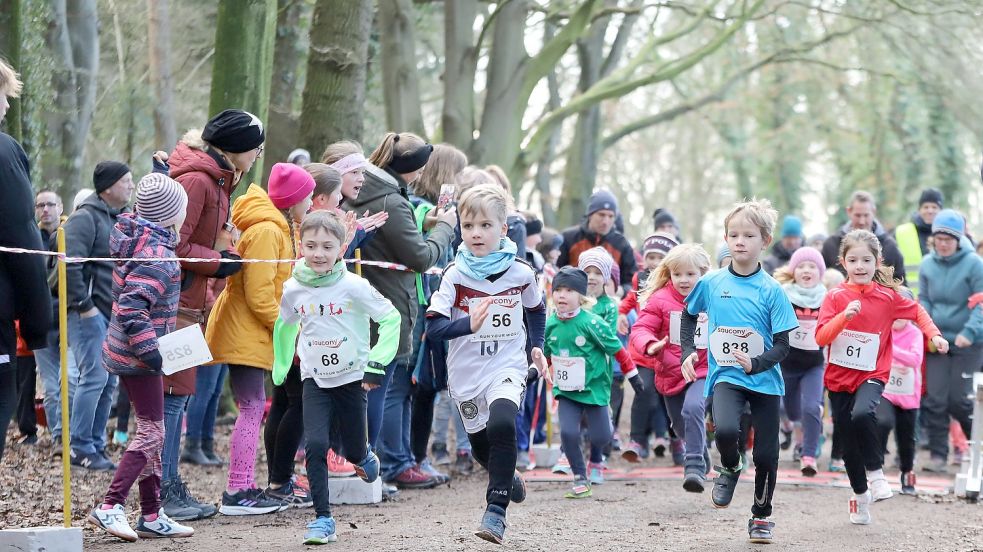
(911, 249)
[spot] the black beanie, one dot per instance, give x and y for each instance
(663, 216)
(572, 278)
(533, 227)
(234, 131)
(930, 195)
(108, 173)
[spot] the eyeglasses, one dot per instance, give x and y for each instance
(259, 150)
(44, 204)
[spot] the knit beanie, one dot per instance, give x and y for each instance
(160, 199)
(930, 195)
(234, 131)
(723, 253)
(791, 227)
(533, 227)
(299, 156)
(807, 254)
(289, 184)
(949, 222)
(616, 274)
(571, 278)
(108, 173)
(663, 216)
(602, 200)
(662, 242)
(599, 258)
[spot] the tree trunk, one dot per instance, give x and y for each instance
(544, 166)
(243, 62)
(283, 126)
(337, 70)
(161, 79)
(10, 48)
(460, 64)
(400, 84)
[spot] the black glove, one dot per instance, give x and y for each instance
(153, 360)
(531, 375)
(373, 378)
(228, 269)
(636, 384)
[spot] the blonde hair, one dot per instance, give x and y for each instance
(327, 179)
(472, 176)
(445, 163)
(489, 199)
(863, 238)
(759, 212)
(338, 150)
(784, 275)
(500, 177)
(393, 145)
(691, 254)
(10, 84)
(324, 220)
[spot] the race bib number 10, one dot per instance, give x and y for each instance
(504, 321)
(725, 341)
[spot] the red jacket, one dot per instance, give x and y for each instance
(653, 325)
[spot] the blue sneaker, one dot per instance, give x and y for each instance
(368, 469)
(518, 488)
(595, 473)
(321, 531)
(492, 525)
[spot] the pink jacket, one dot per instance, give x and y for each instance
(653, 325)
(906, 357)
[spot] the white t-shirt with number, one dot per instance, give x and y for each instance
(333, 345)
(499, 346)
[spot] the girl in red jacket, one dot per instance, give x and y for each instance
(855, 322)
(656, 335)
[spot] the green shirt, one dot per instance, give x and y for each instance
(589, 337)
(607, 310)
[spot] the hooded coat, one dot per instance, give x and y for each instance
(240, 327)
(889, 250)
(87, 235)
(578, 239)
(145, 296)
(945, 285)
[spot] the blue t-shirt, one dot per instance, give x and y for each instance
(757, 302)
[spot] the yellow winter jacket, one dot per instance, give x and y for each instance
(240, 327)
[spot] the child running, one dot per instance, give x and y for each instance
(802, 369)
(483, 298)
(749, 319)
(580, 345)
(855, 321)
(656, 334)
(145, 302)
(903, 393)
(331, 309)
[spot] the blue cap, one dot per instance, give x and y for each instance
(791, 227)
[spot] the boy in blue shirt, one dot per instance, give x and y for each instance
(749, 321)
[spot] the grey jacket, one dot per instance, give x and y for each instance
(397, 241)
(87, 235)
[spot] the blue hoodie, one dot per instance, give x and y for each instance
(945, 284)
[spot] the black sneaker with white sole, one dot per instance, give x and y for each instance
(250, 502)
(759, 530)
(94, 461)
(724, 486)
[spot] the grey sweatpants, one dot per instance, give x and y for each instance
(686, 413)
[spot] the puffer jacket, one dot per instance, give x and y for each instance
(240, 327)
(87, 235)
(145, 296)
(653, 325)
(578, 239)
(945, 285)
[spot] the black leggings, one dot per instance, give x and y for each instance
(122, 409)
(855, 421)
(421, 421)
(902, 422)
(729, 401)
(495, 449)
(8, 399)
(284, 427)
(27, 379)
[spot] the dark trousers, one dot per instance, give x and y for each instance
(729, 401)
(495, 449)
(617, 399)
(122, 410)
(8, 399)
(284, 427)
(948, 392)
(27, 380)
(855, 421)
(141, 461)
(903, 423)
(648, 411)
(347, 403)
(598, 431)
(421, 420)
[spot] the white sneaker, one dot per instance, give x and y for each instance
(162, 527)
(880, 489)
(113, 521)
(860, 509)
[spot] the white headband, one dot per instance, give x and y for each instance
(349, 163)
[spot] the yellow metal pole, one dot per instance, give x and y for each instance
(66, 478)
(358, 261)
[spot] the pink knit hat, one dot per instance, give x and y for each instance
(289, 184)
(806, 253)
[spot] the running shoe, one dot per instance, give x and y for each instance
(809, 466)
(786, 438)
(836, 465)
(724, 485)
(320, 531)
(338, 466)
(113, 521)
(694, 479)
(463, 463)
(518, 488)
(93, 461)
(522, 460)
(880, 489)
(595, 472)
(562, 465)
(908, 483)
(162, 528)
(440, 455)
(174, 503)
(368, 469)
(427, 468)
(797, 453)
(860, 509)
(250, 502)
(759, 530)
(581, 489)
(632, 453)
(493, 525)
(207, 510)
(291, 494)
(413, 478)
(660, 446)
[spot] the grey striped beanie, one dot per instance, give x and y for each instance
(160, 199)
